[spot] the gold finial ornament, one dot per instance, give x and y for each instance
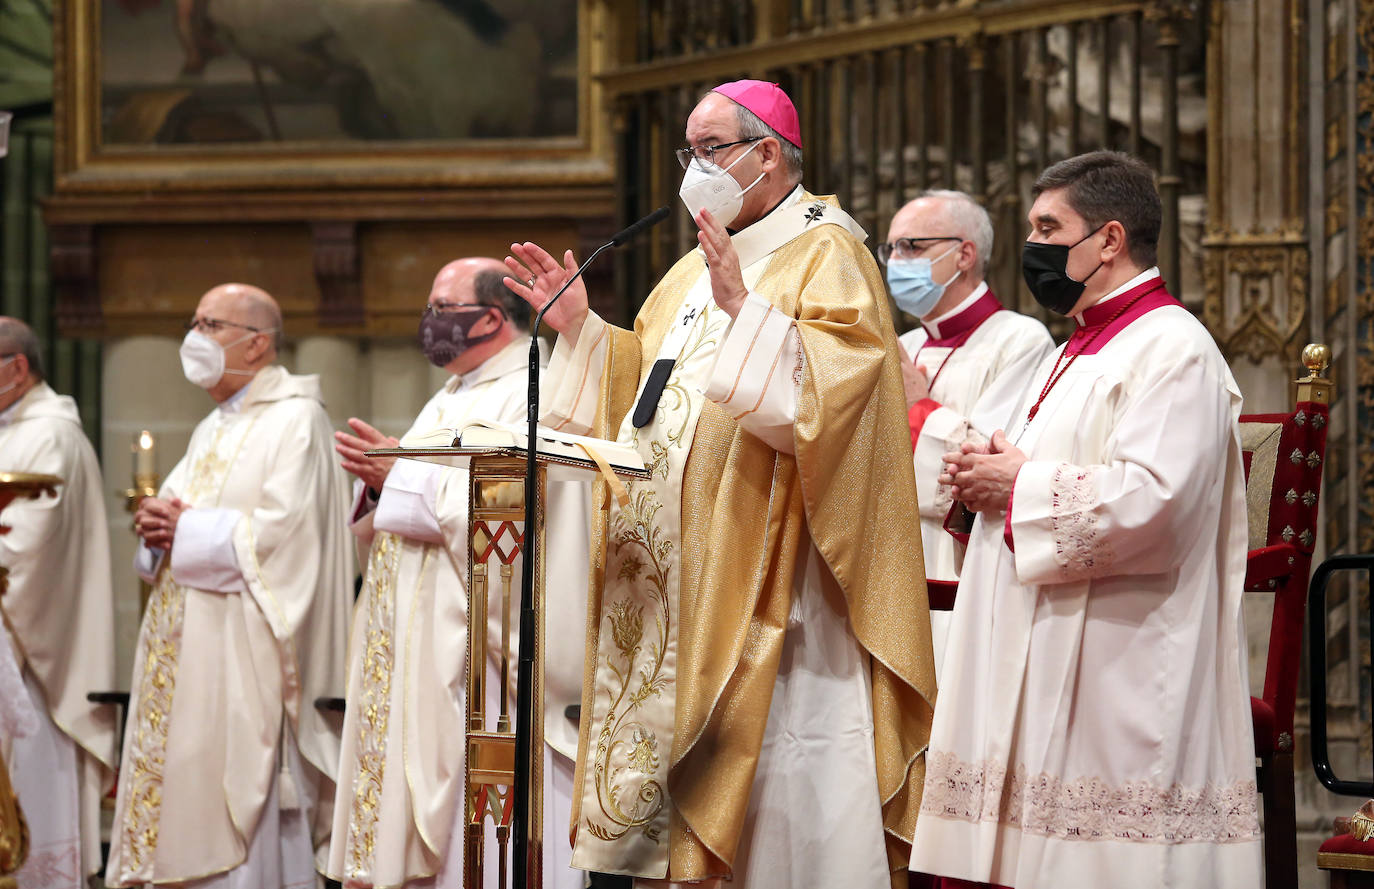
(1316, 357)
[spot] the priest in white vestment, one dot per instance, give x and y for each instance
(759, 677)
(399, 814)
(227, 774)
(59, 613)
(1093, 728)
(965, 367)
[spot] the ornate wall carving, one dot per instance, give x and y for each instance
(1256, 259)
(1257, 296)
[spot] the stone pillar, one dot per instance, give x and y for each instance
(1256, 255)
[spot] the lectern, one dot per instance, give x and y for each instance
(497, 536)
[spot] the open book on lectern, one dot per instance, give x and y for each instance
(447, 444)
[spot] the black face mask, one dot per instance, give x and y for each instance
(1044, 266)
(444, 335)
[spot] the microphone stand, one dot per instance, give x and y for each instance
(524, 683)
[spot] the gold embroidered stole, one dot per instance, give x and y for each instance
(371, 700)
(159, 650)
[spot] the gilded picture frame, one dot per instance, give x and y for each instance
(122, 126)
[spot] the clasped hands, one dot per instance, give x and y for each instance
(536, 277)
(156, 519)
(981, 474)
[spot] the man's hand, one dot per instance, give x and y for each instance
(915, 382)
(372, 470)
(982, 475)
(727, 281)
(156, 521)
(537, 276)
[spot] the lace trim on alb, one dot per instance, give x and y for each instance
(1079, 544)
(1089, 808)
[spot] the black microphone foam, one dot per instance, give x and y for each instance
(632, 231)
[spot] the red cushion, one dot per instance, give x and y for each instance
(1263, 717)
(1345, 844)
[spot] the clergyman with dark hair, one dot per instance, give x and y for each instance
(58, 627)
(399, 813)
(1094, 720)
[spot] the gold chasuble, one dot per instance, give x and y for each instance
(692, 583)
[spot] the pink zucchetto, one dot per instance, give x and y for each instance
(768, 102)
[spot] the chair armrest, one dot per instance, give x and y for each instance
(1266, 569)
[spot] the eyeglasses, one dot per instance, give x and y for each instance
(213, 325)
(910, 248)
(706, 154)
(443, 308)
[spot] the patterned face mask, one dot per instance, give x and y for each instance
(444, 335)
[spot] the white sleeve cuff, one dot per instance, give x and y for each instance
(758, 371)
(203, 556)
(1032, 523)
(944, 431)
(148, 561)
(363, 511)
(407, 504)
(571, 385)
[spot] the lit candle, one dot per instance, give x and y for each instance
(145, 460)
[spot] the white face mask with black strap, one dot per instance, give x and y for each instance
(713, 188)
(202, 359)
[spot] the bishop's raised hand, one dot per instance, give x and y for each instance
(537, 276)
(727, 281)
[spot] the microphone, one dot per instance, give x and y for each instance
(525, 667)
(630, 232)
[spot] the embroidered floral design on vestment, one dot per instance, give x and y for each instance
(626, 759)
(159, 653)
(1079, 545)
(374, 703)
(1088, 808)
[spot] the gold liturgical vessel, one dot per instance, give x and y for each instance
(14, 833)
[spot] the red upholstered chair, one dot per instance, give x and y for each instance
(1284, 456)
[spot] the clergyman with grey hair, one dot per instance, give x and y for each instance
(777, 540)
(59, 618)
(966, 361)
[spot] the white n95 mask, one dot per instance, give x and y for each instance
(202, 359)
(713, 188)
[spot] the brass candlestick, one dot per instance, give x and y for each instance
(146, 481)
(14, 832)
(146, 484)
